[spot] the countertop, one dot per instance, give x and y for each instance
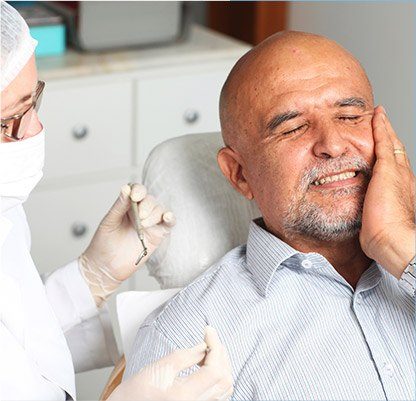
(201, 44)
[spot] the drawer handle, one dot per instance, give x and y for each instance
(79, 229)
(80, 132)
(191, 116)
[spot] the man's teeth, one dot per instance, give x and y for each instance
(334, 178)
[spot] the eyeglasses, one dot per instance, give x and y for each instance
(14, 127)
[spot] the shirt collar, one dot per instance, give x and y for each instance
(370, 278)
(265, 254)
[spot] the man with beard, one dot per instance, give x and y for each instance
(319, 303)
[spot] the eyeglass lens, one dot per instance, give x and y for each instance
(17, 127)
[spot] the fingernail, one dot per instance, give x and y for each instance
(210, 332)
(135, 197)
(383, 110)
(138, 194)
(168, 217)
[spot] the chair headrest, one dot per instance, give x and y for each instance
(212, 218)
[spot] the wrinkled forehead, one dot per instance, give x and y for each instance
(311, 80)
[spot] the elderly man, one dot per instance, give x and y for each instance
(319, 303)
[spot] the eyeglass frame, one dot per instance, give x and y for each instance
(17, 118)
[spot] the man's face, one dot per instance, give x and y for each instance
(18, 96)
(310, 156)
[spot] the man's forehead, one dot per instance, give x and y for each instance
(317, 91)
(294, 73)
(324, 92)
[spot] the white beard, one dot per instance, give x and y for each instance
(338, 221)
(314, 221)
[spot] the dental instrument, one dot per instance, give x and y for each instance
(140, 231)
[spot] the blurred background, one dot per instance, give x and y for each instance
(122, 77)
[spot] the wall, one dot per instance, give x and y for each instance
(382, 36)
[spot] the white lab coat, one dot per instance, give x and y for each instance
(48, 329)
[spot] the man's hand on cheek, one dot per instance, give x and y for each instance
(388, 228)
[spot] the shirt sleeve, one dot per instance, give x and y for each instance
(149, 346)
(87, 329)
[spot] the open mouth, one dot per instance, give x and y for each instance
(338, 179)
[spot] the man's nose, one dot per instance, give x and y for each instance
(330, 141)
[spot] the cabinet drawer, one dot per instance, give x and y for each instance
(88, 128)
(63, 221)
(173, 106)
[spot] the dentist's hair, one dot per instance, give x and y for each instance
(16, 44)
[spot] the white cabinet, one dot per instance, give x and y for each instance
(63, 220)
(88, 127)
(179, 104)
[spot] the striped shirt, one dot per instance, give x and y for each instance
(293, 326)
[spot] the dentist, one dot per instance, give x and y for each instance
(53, 328)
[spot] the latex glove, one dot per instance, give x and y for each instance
(160, 382)
(110, 257)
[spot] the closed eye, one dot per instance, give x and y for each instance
(293, 131)
(349, 118)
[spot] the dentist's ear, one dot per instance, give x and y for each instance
(231, 166)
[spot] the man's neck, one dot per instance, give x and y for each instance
(347, 257)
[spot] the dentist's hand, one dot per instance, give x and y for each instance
(388, 225)
(160, 382)
(110, 257)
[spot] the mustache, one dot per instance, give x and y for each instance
(332, 166)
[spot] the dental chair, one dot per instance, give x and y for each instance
(212, 218)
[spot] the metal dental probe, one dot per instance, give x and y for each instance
(139, 230)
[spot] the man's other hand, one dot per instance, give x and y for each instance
(388, 226)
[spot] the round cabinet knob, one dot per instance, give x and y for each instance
(79, 229)
(80, 131)
(191, 116)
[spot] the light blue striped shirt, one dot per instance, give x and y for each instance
(294, 328)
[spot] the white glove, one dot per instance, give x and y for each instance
(160, 382)
(110, 257)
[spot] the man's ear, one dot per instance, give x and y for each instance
(230, 165)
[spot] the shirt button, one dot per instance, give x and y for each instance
(307, 264)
